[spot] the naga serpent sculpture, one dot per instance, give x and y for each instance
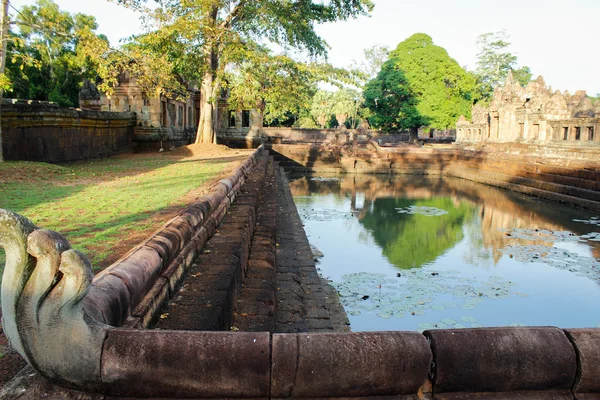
(43, 285)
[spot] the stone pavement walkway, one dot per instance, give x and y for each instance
(258, 272)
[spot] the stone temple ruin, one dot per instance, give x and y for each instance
(533, 114)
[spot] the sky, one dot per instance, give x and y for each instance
(557, 39)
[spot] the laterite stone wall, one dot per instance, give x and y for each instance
(41, 131)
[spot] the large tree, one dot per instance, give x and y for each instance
(391, 101)
(345, 105)
(444, 90)
(494, 61)
(49, 53)
(219, 28)
(278, 86)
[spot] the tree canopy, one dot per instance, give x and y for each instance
(275, 85)
(443, 88)
(392, 102)
(217, 30)
(50, 53)
(419, 85)
(494, 61)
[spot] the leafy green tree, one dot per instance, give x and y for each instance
(443, 88)
(218, 28)
(277, 85)
(494, 61)
(345, 105)
(391, 101)
(322, 108)
(49, 55)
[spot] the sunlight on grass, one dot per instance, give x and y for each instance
(96, 203)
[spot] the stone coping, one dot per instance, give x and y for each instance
(75, 329)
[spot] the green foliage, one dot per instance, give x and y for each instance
(494, 62)
(443, 88)
(217, 30)
(392, 103)
(345, 105)
(321, 108)
(522, 75)
(410, 241)
(374, 57)
(51, 53)
(275, 85)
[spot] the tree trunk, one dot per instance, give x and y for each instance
(207, 127)
(3, 41)
(259, 122)
(341, 119)
(208, 110)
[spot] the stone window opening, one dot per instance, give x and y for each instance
(591, 133)
(164, 114)
(231, 119)
(172, 114)
(521, 130)
(566, 133)
(245, 119)
(577, 133)
(180, 116)
(535, 131)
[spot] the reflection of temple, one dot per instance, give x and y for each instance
(533, 114)
(499, 210)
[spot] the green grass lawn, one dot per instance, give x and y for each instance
(97, 204)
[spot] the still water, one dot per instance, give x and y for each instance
(423, 253)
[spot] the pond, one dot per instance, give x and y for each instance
(416, 253)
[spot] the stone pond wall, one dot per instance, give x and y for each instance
(251, 138)
(41, 131)
(559, 173)
(113, 355)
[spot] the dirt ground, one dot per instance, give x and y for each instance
(10, 361)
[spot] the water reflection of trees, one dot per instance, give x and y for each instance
(410, 241)
(496, 209)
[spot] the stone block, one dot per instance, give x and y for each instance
(109, 296)
(183, 227)
(523, 395)
(166, 244)
(349, 365)
(213, 365)
(587, 343)
(502, 360)
(174, 273)
(139, 270)
(152, 304)
(194, 214)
